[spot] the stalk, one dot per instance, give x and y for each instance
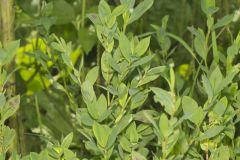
(83, 12)
(7, 16)
(38, 115)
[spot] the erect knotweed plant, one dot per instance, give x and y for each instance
(125, 112)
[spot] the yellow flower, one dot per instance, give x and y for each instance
(183, 70)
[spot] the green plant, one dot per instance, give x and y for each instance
(186, 127)
(133, 103)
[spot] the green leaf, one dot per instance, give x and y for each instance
(87, 39)
(221, 106)
(172, 140)
(106, 69)
(119, 127)
(104, 115)
(125, 46)
(123, 94)
(200, 45)
(114, 65)
(191, 110)
(216, 79)
(198, 116)
(152, 74)
(92, 75)
(112, 137)
(228, 79)
(94, 18)
(138, 99)
(67, 141)
(142, 46)
(132, 133)
(125, 144)
(148, 79)
(212, 132)
(145, 116)
(140, 10)
(84, 119)
(156, 70)
(68, 154)
(47, 9)
(129, 3)
(224, 153)
(101, 132)
(104, 11)
(124, 122)
(2, 100)
(207, 86)
(88, 93)
(142, 61)
(63, 11)
(7, 53)
(8, 135)
(164, 98)
(208, 6)
(57, 47)
(189, 106)
(137, 156)
(92, 110)
(101, 105)
(120, 10)
(47, 22)
(10, 108)
(67, 60)
(224, 21)
(164, 126)
(91, 146)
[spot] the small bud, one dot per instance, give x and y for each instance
(236, 15)
(131, 10)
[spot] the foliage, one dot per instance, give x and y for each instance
(133, 99)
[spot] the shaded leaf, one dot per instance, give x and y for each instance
(224, 21)
(140, 10)
(92, 75)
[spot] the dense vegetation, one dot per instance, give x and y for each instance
(119, 79)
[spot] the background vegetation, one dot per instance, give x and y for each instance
(119, 79)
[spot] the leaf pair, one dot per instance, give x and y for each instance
(128, 49)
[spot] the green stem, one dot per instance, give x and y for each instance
(184, 44)
(39, 7)
(83, 12)
(98, 64)
(38, 115)
(195, 80)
